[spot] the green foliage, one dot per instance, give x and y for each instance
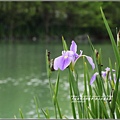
(103, 102)
(21, 113)
(41, 19)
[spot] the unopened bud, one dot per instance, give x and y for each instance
(97, 54)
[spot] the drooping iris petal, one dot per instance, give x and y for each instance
(57, 62)
(93, 77)
(90, 60)
(73, 47)
(63, 61)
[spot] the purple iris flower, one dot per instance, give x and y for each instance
(104, 75)
(68, 57)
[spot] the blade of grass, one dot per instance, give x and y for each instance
(85, 88)
(118, 110)
(91, 113)
(56, 94)
(74, 85)
(46, 113)
(116, 52)
(64, 44)
(90, 94)
(57, 85)
(91, 45)
(102, 104)
(115, 93)
(85, 81)
(37, 108)
(59, 111)
(73, 91)
(72, 102)
(21, 113)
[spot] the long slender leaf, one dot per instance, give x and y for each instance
(91, 94)
(91, 113)
(37, 108)
(118, 110)
(91, 45)
(56, 94)
(115, 94)
(72, 102)
(85, 77)
(116, 52)
(75, 91)
(46, 113)
(57, 85)
(21, 113)
(64, 44)
(102, 104)
(59, 111)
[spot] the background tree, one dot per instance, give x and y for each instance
(21, 21)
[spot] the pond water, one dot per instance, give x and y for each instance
(23, 77)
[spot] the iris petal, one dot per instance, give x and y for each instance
(62, 62)
(90, 60)
(93, 78)
(57, 62)
(73, 47)
(104, 74)
(107, 69)
(65, 63)
(77, 56)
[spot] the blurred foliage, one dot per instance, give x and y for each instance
(40, 20)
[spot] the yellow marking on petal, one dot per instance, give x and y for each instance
(65, 56)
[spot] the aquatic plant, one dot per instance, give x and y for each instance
(70, 57)
(99, 100)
